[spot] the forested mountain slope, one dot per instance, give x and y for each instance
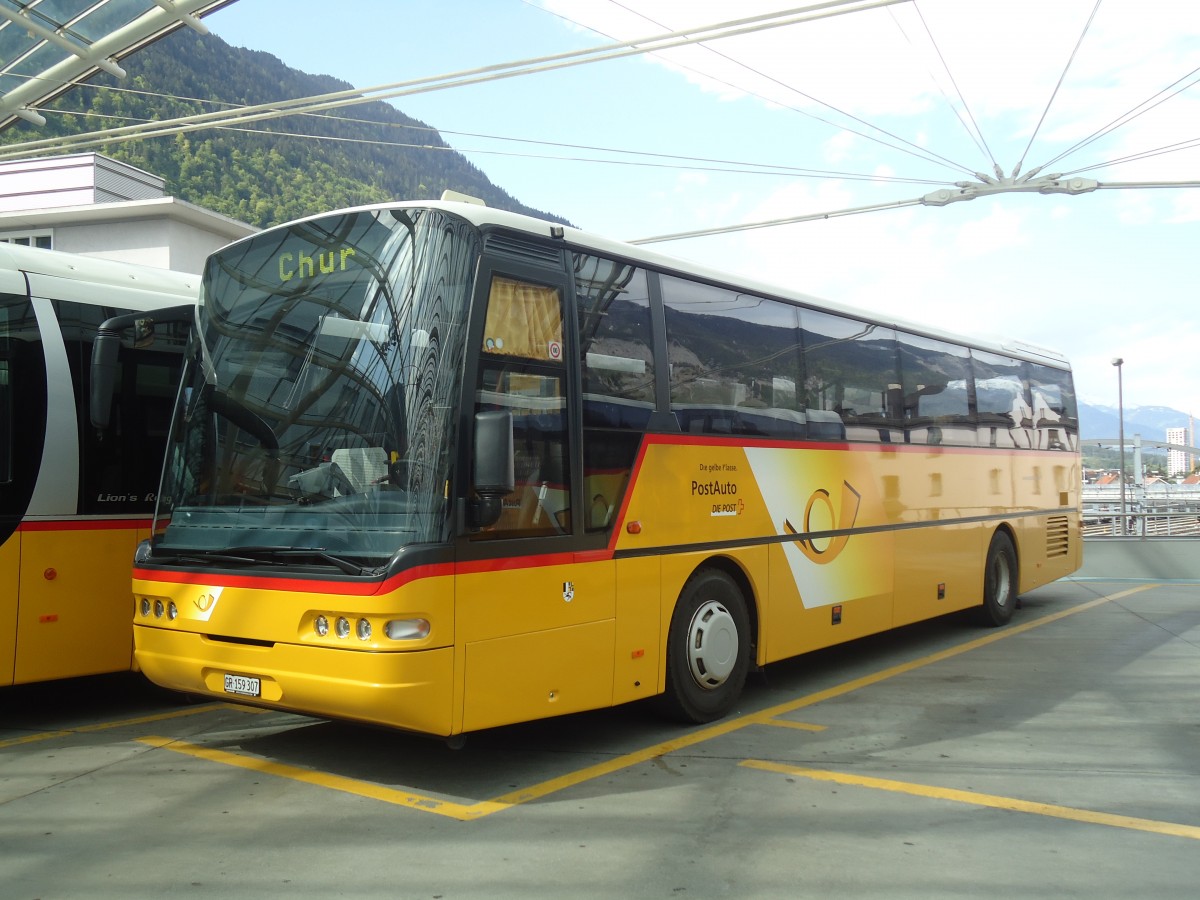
(258, 173)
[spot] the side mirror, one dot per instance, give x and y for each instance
(108, 344)
(492, 472)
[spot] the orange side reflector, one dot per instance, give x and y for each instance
(637, 654)
(53, 617)
(634, 527)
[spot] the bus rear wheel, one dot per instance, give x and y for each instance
(708, 648)
(999, 582)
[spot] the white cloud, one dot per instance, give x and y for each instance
(997, 232)
(838, 147)
(1102, 274)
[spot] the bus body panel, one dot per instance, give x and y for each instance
(932, 583)
(639, 665)
(537, 641)
(72, 621)
(820, 616)
(1053, 545)
(526, 598)
(10, 579)
(920, 555)
(538, 674)
(70, 526)
(407, 690)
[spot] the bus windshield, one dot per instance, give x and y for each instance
(319, 393)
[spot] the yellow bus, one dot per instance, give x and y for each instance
(75, 503)
(442, 468)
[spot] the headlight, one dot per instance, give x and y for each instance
(407, 629)
(321, 626)
(343, 627)
(364, 630)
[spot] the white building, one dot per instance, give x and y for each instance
(92, 205)
(1179, 462)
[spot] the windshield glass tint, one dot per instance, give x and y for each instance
(317, 405)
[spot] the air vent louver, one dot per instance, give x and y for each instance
(1058, 536)
(516, 247)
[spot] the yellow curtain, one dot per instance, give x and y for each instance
(523, 320)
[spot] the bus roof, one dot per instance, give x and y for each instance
(484, 216)
(108, 282)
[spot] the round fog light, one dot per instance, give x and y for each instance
(343, 627)
(364, 630)
(321, 626)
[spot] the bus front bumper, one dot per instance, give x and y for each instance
(410, 690)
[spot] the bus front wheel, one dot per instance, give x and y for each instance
(708, 648)
(999, 582)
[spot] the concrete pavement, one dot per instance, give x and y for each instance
(1057, 757)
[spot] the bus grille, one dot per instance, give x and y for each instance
(1058, 531)
(229, 639)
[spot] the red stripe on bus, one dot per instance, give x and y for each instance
(84, 525)
(417, 573)
(708, 440)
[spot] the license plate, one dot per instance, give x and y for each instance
(241, 684)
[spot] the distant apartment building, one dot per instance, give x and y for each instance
(92, 205)
(1179, 462)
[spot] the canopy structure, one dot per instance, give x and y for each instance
(48, 46)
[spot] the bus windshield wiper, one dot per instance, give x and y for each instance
(280, 553)
(257, 553)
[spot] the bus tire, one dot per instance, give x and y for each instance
(708, 648)
(999, 582)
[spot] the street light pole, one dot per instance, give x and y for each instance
(1119, 362)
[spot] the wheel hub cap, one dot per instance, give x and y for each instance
(712, 645)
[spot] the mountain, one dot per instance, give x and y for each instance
(1151, 422)
(262, 173)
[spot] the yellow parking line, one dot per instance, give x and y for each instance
(120, 723)
(341, 783)
(30, 738)
(989, 800)
(627, 760)
(799, 726)
(617, 763)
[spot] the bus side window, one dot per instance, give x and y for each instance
(934, 392)
(1055, 414)
(119, 470)
(22, 404)
(851, 378)
(617, 362)
(735, 362)
(1002, 402)
(7, 434)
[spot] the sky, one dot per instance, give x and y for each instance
(871, 107)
